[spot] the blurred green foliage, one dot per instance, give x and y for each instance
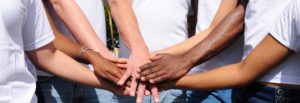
(111, 30)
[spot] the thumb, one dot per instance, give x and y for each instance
(156, 57)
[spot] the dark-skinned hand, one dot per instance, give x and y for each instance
(164, 67)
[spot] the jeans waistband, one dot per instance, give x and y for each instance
(258, 92)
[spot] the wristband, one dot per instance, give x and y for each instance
(82, 51)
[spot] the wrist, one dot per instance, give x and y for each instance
(136, 49)
(89, 55)
(189, 60)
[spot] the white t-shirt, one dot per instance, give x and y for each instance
(260, 16)
(207, 10)
(93, 10)
(163, 23)
(23, 26)
(287, 31)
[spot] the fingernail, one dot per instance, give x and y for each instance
(147, 93)
(139, 101)
(132, 94)
(143, 78)
(156, 100)
(151, 81)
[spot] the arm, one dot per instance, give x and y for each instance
(268, 54)
(126, 22)
(79, 26)
(170, 67)
(63, 43)
(225, 8)
(59, 64)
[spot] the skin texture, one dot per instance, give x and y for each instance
(139, 54)
(268, 54)
(108, 71)
(173, 66)
(49, 59)
(79, 26)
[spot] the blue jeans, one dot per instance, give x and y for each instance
(257, 93)
(172, 96)
(168, 96)
(55, 90)
(218, 96)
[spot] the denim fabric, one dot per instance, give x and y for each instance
(218, 96)
(55, 90)
(172, 96)
(127, 99)
(257, 93)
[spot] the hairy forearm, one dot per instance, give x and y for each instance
(79, 25)
(126, 21)
(223, 35)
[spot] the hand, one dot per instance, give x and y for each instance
(117, 90)
(120, 62)
(134, 62)
(103, 67)
(165, 67)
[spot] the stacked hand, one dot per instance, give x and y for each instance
(111, 72)
(134, 62)
(165, 69)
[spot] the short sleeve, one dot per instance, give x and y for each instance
(36, 28)
(286, 27)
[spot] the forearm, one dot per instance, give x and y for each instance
(67, 46)
(225, 8)
(222, 36)
(126, 21)
(55, 62)
(186, 45)
(79, 25)
(267, 55)
(62, 42)
(224, 77)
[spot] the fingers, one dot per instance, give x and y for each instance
(113, 78)
(122, 60)
(126, 91)
(141, 92)
(124, 78)
(133, 86)
(155, 93)
(147, 67)
(122, 66)
(147, 92)
(114, 60)
(156, 57)
(158, 79)
(157, 74)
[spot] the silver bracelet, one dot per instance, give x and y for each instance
(82, 51)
